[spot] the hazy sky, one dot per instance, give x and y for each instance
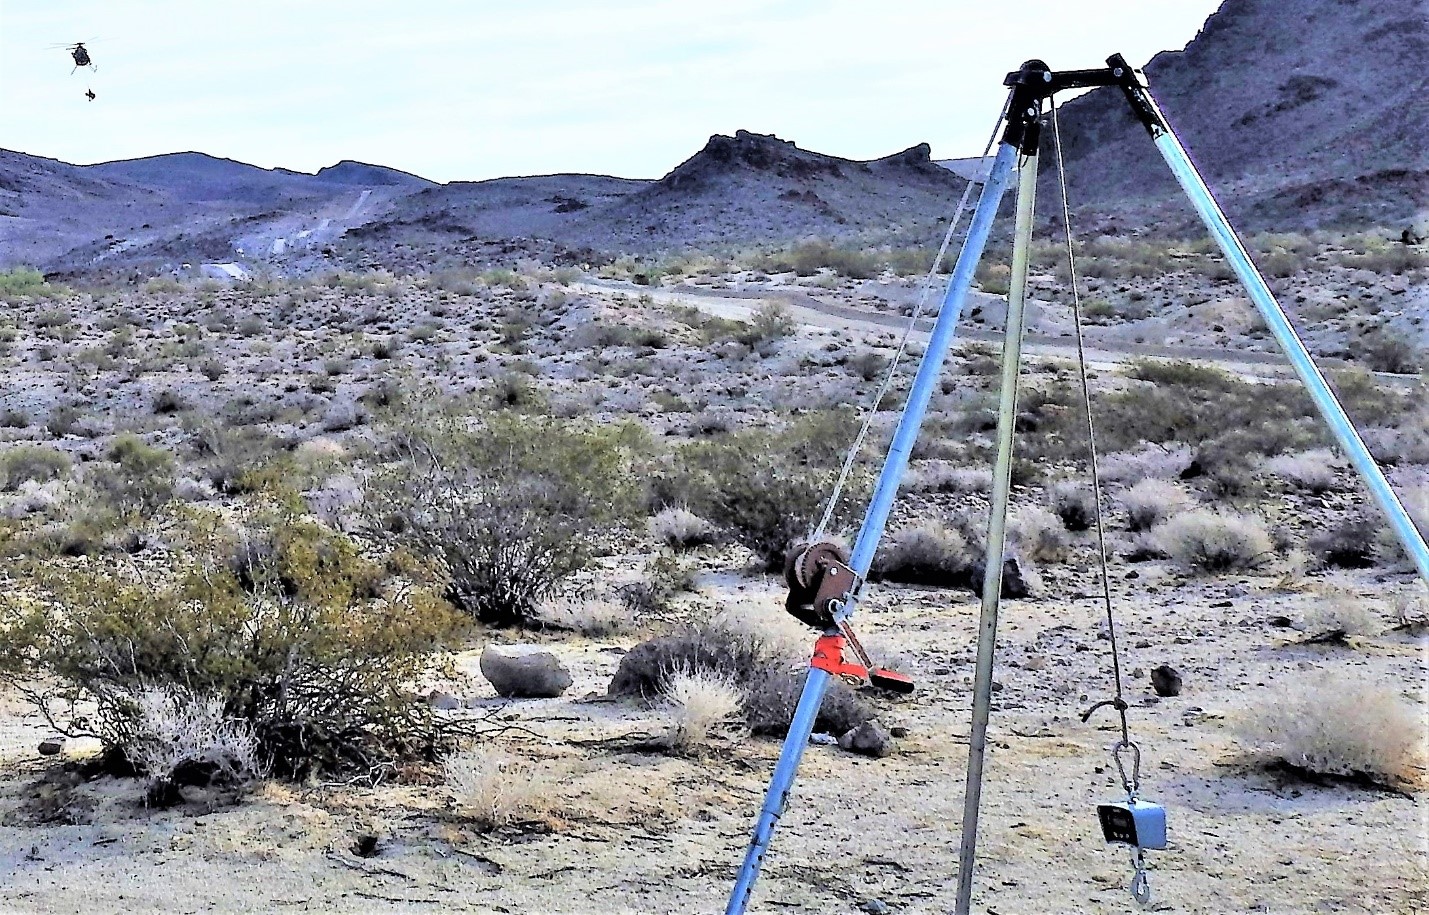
(479, 89)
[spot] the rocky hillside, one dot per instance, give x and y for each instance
(741, 190)
(1299, 114)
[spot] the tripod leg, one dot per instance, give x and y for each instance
(1334, 414)
(997, 528)
(877, 515)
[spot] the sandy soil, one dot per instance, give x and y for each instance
(647, 832)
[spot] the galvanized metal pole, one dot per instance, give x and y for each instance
(996, 529)
(876, 517)
(1319, 389)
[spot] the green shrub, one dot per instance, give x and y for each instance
(26, 282)
(31, 463)
(766, 486)
(279, 623)
(512, 505)
(139, 478)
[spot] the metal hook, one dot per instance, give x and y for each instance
(1140, 886)
(1130, 784)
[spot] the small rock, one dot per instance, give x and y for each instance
(1280, 622)
(898, 731)
(1166, 681)
(1137, 673)
(366, 846)
(52, 747)
(443, 702)
(1142, 643)
(524, 673)
(874, 907)
(869, 739)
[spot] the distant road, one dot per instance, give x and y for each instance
(814, 312)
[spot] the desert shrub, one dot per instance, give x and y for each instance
(138, 478)
(765, 658)
(169, 401)
(1415, 499)
(278, 622)
(665, 578)
(925, 554)
(1152, 462)
(1382, 350)
(867, 364)
(493, 789)
(14, 418)
(512, 505)
(1151, 501)
(1349, 543)
(1312, 471)
(179, 735)
(1040, 534)
(234, 459)
(994, 279)
(1213, 542)
(31, 463)
(942, 476)
(808, 258)
(1340, 615)
(766, 486)
(681, 529)
(19, 282)
(1343, 728)
(63, 420)
(1075, 505)
(593, 616)
(697, 702)
(771, 322)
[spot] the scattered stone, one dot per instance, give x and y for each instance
(869, 739)
(443, 702)
(1280, 622)
(52, 747)
(898, 731)
(1142, 643)
(366, 846)
(523, 673)
(1166, 681)
(1138, 673)
(874, 907)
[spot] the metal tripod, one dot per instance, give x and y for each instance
(1031, 87)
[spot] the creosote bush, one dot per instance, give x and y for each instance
(765, 486)
(1214, 541)
(511, 505)
(31, 463)
(279, 624)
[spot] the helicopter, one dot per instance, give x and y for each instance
(81, 56)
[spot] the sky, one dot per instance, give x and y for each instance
(474, 89)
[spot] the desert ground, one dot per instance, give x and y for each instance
(296, 397)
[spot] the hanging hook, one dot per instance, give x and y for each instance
(1140, 886)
